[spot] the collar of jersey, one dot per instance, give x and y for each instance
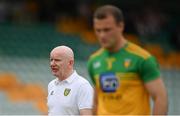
(68, 80)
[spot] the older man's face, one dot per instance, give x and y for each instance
(59, 64)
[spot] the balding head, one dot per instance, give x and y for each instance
(62, 61)
(64, 50)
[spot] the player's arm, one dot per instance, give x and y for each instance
(86, 112)
(95, 99)
(95, 102)
(150, 74)
(158, 93)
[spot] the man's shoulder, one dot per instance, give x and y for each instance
(137, 50)
(52, 82)
(97, 53)
(82, 80)
(83, 84)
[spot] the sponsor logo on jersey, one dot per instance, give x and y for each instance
(96, 64)
(110, 62)
(109, 82)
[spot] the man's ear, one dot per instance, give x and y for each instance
(71, 62)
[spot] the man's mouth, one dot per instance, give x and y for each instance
(104, 40)
(54, 69)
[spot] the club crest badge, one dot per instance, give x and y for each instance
(66, 92)
(127, 63)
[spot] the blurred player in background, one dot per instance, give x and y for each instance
(125, 76)
(69, 93)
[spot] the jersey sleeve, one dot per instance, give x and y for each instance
(90, 71)
(85, 96)
(149, 69)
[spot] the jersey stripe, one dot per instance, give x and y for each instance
(97, 53)
(134, 49)
(125, 76)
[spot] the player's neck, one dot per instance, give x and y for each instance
(120, 44)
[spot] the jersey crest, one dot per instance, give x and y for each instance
(127, 63)
(67, 91)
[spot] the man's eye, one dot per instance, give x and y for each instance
(106, 30)
(98, 30)
(57, 59)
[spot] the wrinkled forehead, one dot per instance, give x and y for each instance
(62, 52)
(56, 53)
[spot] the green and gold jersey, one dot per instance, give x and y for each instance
(119, 79)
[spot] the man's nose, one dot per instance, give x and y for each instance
(52, 63)
(102, 34)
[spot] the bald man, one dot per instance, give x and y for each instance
(69, 93)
